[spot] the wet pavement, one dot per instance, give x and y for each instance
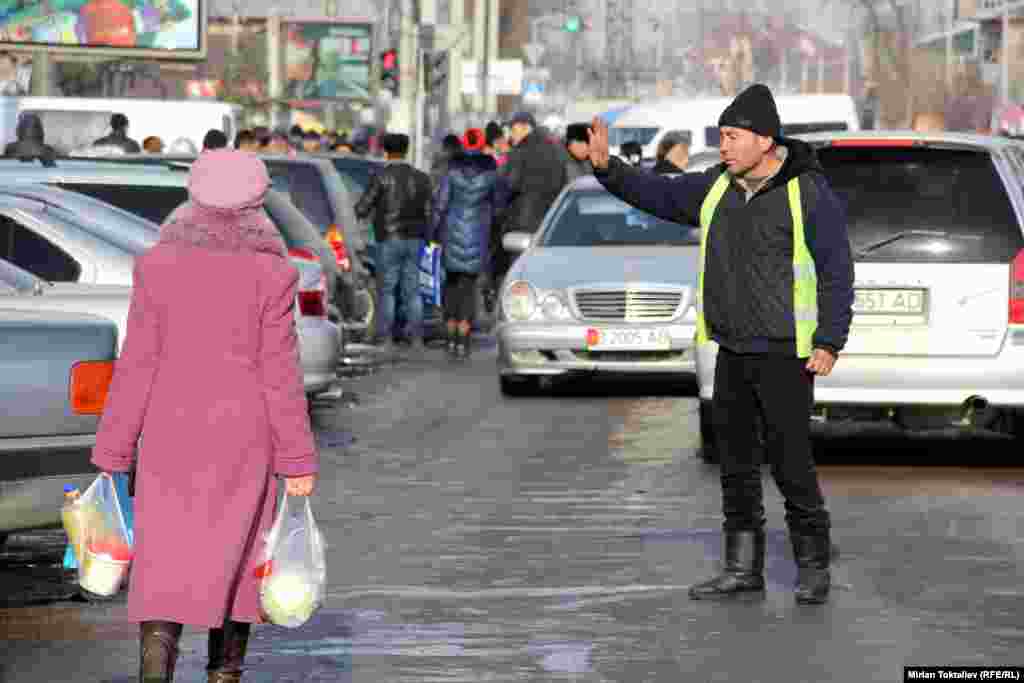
(477, 538)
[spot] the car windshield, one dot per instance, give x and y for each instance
(303, 185)
(356, 174)
(923, 205)
(641, 135)
(595, 218)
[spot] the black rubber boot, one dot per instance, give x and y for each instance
(743, 570)
(812, 553)
(227, 652)
(462, 347)
(452, 346)
(158, 651)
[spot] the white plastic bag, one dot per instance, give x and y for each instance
(103, 539)
(294, 571)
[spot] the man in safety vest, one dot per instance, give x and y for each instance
(776, 293)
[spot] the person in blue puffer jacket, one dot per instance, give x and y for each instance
(465, 202)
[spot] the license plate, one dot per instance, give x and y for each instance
(890, 301)
(633, 339)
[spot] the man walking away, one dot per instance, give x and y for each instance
(535, 174)
(214, 139)
(776, 293)
(577, 145)
(497, 143)
(464, 207)
(30, 141)
(398, 199)
(673, 152)
(118, 136)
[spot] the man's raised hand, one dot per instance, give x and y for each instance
(598, 135)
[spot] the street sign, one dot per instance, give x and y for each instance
(506, 77)
(533, 92)
(534, 52)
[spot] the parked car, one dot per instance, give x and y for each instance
(317, 190)
(56, 370)
(600, 287)
(152, 187)
(69, 238)
(938, 331)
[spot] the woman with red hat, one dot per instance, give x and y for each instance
(466, 200)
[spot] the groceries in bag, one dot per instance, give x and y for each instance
(99, 534)
(294, 572)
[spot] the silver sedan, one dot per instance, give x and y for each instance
(601, 287)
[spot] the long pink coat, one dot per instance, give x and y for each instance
(209, 377)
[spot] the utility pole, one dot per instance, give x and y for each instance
(427, 26)
(404, 117)
(1005, 80)
(949, 46)
(274, 63)
(493, 21)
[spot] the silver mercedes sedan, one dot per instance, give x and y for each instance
(601, 287)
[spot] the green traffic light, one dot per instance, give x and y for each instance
(572, 24)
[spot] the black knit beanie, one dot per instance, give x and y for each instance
(577, 132)
(753, 109)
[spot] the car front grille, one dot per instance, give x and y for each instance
(633, 305)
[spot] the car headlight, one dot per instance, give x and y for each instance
(519, 301)
(553, 307)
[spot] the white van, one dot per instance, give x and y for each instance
(647, 123)
(74, 123)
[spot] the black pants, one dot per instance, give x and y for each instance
(460, 296)
(782, 391)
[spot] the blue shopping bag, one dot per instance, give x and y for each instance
(430, 274)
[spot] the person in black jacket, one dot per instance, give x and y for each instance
(464, 207)
(780, 308)
(534, 175)
(398, 198)
(118, 136)
(673, 152)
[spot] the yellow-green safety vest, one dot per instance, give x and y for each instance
(805, 277)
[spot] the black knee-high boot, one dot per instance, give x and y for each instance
(227, 646)
(158, 651)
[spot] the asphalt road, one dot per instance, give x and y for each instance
(477, 538)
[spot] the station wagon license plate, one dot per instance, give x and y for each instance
(628, 339)
(890, 301)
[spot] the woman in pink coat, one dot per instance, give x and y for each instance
(209, 377)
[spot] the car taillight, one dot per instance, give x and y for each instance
(303, 253)
(90, 383)
(1016, 313)
(337, 242)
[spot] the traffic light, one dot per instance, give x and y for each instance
(572, 24)
(435, 69)
(389, 70)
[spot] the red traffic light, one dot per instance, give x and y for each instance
(389, 59)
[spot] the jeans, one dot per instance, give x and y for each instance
(398, 269)
(782, 391)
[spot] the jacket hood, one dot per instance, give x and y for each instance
(800, 159)
(475, 161)
(30, 127)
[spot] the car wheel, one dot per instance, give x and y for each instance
(708, 450)
(3, 540)
(366, 298)
(518, 386)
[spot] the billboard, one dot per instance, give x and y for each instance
(122, 28)
(327, 60)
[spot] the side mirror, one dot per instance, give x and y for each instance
(516, 242)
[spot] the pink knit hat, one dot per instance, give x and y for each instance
(228, 180)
